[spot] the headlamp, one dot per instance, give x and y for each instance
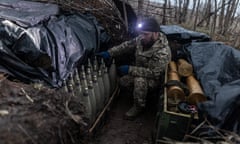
(149, 25)
(139, 26)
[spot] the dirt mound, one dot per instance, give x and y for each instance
(38, 115)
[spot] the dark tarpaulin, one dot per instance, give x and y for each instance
(217, 68)
(182, 35)
(51, 48)
(26, 13)
(178, 36)
(11, 64)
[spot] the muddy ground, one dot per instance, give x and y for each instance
(32, 114)
(118, 130)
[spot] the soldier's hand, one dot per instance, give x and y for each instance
(123, 70)
(105, 55)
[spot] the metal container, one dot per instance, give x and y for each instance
(78, 88)
(99, 104)
(185, 69)
(87, 105)
(70, 84)
(196, 93)
(174, 92)
(91, 92)
(105, 78)
(101, 87)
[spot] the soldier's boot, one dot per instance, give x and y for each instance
(133, 112)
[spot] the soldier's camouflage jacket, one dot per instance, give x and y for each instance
(151, 63)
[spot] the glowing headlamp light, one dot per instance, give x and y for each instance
(139, 25)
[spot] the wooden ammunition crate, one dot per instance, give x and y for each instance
(170, 124)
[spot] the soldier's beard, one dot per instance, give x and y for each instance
(147, 45)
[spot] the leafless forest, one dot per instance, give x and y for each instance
(218, 18)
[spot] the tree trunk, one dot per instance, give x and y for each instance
(170, 11)
(237, 41)
(235, 25)
(179, 11)
(221, 17)
(193, 9)
(164, 12)
(228, 16)
(234, 12)
(176, 10)
(208, 12)
(184, 11)
(196, 17)
(212, 33)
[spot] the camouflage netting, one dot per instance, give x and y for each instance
(34, 114)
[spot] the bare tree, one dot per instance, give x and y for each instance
(214, 21)
(185, 10)
(235, 10)
(208, 12)
(176, 10)
(212, 13)
(221, 16)
(193, 8)
(228, 16)
(164, 12)
(196, 17)
(236, 42)
(235, 24)
(179, 11)
(170, 9)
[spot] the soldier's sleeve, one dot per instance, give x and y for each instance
(157, 63)
(123, 48)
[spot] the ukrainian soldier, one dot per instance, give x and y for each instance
(152, 55)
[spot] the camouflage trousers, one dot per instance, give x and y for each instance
(140, 86)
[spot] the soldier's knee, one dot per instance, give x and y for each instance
(140, 82)
(121, 82)
(126, 81)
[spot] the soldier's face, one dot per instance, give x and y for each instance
(147, 39)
